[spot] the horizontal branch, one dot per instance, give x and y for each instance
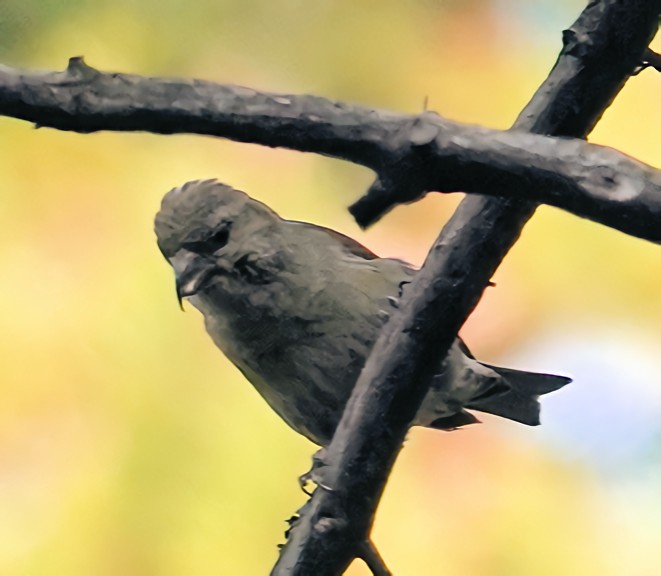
(413, 154)
(83, 99)
(590, 181)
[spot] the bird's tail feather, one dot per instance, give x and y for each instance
(519, 402)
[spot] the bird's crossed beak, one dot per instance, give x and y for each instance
(190, 272)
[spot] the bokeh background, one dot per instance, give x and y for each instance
(130, 446)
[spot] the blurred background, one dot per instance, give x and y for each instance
(129, 445)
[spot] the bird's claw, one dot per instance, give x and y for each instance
(303, 480)
(400, 287)
(315, 475)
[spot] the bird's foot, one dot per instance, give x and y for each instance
(315, 474)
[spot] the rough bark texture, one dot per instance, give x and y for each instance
(412, 155)
(590, 181)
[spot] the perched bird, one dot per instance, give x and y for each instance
(297, 307)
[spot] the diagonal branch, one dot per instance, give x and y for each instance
(601, 50)
(412, 154)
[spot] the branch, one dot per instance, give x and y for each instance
(370, 555)
(83, 99)
(411, 154)
(590, 181)
(601, 50)
(650, 60)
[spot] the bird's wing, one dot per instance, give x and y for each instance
(348, 243)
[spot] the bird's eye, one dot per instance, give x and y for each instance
(218, 239)
(211, 244)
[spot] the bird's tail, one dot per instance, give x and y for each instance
(519, 401)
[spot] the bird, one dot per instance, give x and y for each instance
(297, 307)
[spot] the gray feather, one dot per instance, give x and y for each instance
(297, 308)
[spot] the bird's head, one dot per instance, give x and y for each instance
(204, 227)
